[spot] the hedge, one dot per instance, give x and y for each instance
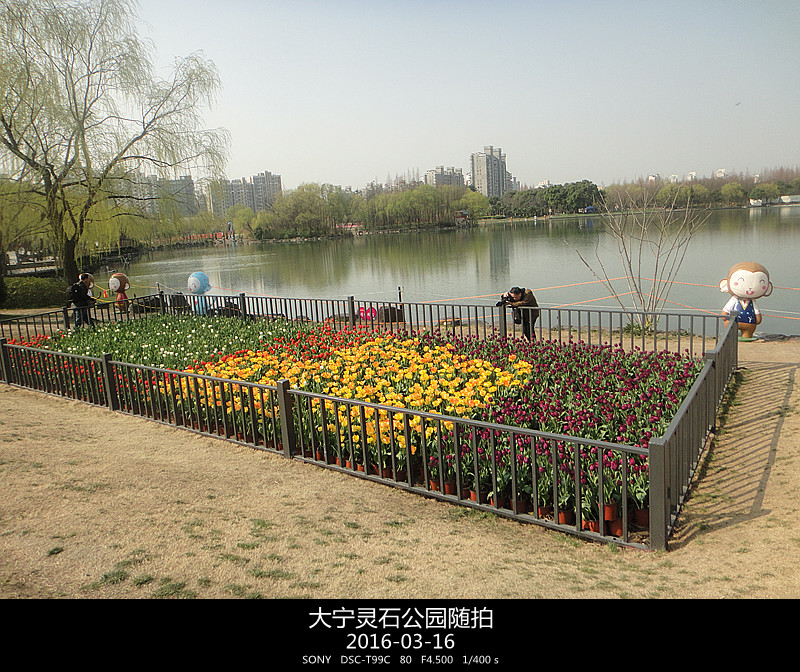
(34, 292)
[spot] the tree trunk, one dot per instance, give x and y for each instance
(70, 264)
(3, 270)
(3, 258)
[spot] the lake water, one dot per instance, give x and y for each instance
(475, 265)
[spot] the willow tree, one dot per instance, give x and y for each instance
(83, 112)
(19, 223)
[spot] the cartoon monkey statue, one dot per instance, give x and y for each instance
(746, 282)
(120, 284)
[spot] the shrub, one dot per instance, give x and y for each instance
(34, 292)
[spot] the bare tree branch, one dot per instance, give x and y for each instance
(651, 241)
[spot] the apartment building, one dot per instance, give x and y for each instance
(155, 196)
(440, 176)
(257, 192)
(489, 173)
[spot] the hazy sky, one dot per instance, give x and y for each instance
(349, 91)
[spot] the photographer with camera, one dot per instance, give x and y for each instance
(521, 301)
(80, 295)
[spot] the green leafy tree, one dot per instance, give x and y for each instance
(83, 111)
(475, 204)
(20, 223)
(559, 198)
(581, 195)
(671, 194)
(242, 217)
(733, 193)
(765, 192)
(302, 212)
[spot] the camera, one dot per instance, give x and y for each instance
(504, 301)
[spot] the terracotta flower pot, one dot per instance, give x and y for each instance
(523, 506)
(473, 495)
(591, 525)
(641, 517)
(566, 517)
(614, 527)
(544, 511)
(610, 511)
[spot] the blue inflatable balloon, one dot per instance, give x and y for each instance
(199, 284)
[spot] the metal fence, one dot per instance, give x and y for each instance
(677, 332)
(524, 474)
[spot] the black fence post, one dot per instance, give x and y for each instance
(287, 422)
(718, 390)
(161, 302)
(659, 494)
(502, 321)
(5, 362)
(243, 305)
(351, 311)
(108, 382)
(65, 311)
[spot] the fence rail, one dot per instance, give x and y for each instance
(450, 458)
(676, 332)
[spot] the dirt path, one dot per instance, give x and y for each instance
(96, 504)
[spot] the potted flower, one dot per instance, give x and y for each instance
(442, 472)
(566, 496)
(639, 490)
(434, 473)
(611, 498)
(590, 479)
(612, 485)
(483, 484)
(524, 483)
(544, 486)
(500, 494)
(590, 514)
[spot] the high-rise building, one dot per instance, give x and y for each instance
(489, 174)
(439, 177)
(266, 188)
(257, 193)
(156, 196)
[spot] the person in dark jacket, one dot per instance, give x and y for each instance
(522, 301)
(83, 300)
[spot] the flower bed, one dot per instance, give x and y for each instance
(594, 392)
(168, 341)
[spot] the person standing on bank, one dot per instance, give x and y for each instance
(81, 296)
(522, 301)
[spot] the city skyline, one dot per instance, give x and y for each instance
(350, 93)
